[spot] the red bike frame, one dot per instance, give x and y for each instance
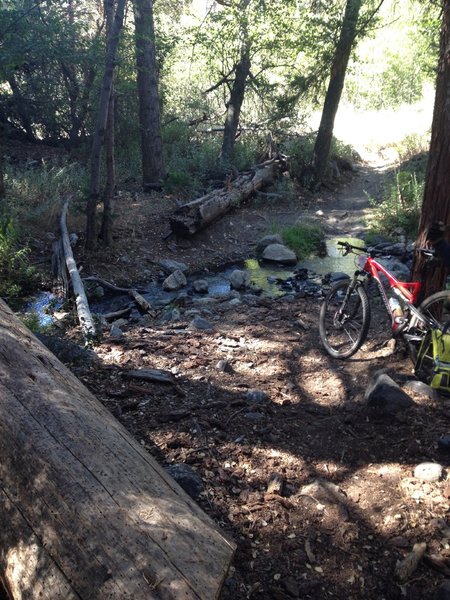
(408, 291)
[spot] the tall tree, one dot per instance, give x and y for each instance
(335, 86)
(436, 199)
(100, 128)
(110, 184)
(147, 84)
(241, 71)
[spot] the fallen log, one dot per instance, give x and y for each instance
(85, 511)
(145, 306)
(83, 311)
(196, 215)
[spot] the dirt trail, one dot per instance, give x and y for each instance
(345, 211)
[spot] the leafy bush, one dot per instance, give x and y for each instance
(304, 239)
(17, 277)
(401, 207)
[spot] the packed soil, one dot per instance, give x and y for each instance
(316, 490)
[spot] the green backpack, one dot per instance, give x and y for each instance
(433, 360)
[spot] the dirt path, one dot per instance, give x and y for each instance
(345, 210)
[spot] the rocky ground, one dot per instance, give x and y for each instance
(272, 437)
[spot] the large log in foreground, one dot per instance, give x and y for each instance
(85, 512)
(196, 215)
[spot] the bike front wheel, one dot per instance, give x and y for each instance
(344, 319)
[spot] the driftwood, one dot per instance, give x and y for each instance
(109, 286)
(196, 215)
(142, 303)
(85, 511)
(83, 311)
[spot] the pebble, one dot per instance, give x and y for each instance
(428, 471)
(256, 396)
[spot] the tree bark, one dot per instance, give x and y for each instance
(198, 214)
(2, 183)
(99, 135)
(85, 512)
(147, 84)
(108, 194)
(234, 104)
(334, 91)
(436, 200)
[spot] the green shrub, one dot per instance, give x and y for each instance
(304, 239)
(17, 277)
(401, 207)
(35, 192)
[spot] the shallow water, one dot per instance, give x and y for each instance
(262, 274)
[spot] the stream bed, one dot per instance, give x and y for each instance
(272, 280)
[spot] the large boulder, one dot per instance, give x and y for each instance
(280, 254)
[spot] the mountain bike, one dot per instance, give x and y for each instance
(345, 313)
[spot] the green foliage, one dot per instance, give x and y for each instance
(304, 238)
(17, 277)
(401, 206)
(31, 320)
(392, 66)
(35, 191)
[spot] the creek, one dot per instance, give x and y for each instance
(265, 276)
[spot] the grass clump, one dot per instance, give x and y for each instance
(17, 277)
(304, 239)
(401, 208)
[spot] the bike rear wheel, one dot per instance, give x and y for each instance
(437, 308)
(344, 319)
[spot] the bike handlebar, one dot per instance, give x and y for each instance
(347, 248)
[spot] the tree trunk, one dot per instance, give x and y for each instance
(334, 91)
(147, 84)
(85, 512)
(99, 134)
(436, 201)
(2, 183)
(21, 108)
(108, 194)
(196, 215)
(234, 104)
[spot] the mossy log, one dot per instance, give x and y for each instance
(85, 511)
(198, 214)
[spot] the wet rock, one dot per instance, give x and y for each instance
(384, 397)
(187, 478)
(266, 241)
(238, 279)
(398, 268)
(333, 278)
(201, 324)
(280, 254)
(171, 315)
(119, 323)
(115, 332)
(428, 471)
(169, 266)
(175, 281)
(200, 286)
